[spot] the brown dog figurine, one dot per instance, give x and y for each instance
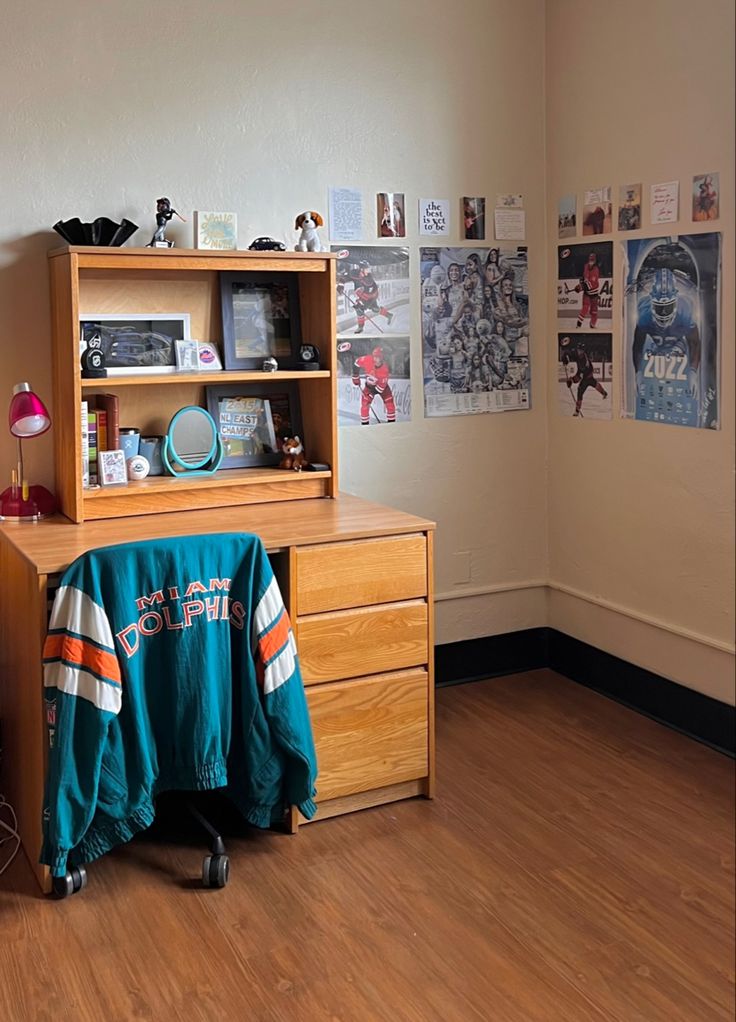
(293, 457)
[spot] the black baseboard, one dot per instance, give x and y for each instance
(694, 714)
(490, 657)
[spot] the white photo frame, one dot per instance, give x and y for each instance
(186, 352)
(111, 468)
(136, 343)
(197, 356)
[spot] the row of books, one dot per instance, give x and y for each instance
(100, 432)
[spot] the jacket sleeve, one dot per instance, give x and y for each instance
(282, 690)
(82, 688)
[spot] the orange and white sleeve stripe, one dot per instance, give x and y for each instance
(274, 649)
(79, 653)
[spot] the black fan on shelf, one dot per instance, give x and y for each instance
(101, 231)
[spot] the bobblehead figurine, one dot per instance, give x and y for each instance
(164, 213)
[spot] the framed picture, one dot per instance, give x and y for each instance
(253, 421)
(197, 356)
(215, 230)
(260, 319)
(111, 467)
(136, 342)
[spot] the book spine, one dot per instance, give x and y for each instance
(113, 422)
(102, 444)
(92, 445)
(85, 445)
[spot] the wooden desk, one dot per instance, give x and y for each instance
(357, 582)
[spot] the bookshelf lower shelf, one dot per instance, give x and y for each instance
(225, 488)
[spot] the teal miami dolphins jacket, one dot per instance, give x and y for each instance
(169, 664)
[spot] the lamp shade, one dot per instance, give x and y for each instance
(27, 415)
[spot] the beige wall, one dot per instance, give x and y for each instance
(258, 108)
(641, 515)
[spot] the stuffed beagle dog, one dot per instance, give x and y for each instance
(308, 223)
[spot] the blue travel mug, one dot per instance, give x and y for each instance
(130, 439)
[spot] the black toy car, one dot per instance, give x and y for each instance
(266, 245)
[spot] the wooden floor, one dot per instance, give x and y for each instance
(577, 865)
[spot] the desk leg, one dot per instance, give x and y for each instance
(22, 633)
(292, 820)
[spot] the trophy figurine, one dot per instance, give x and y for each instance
(164, 213)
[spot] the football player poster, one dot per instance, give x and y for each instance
(373, 350)
(585, 286)
(475, 330)
(671, 330)
(584, 374)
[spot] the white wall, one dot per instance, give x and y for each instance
(641, 515)
(258, 108)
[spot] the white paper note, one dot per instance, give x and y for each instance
(346, 214)
(664, 202)
(510, 224)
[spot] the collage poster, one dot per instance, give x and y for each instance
(671, 330)
(373, 352)
(475, 330)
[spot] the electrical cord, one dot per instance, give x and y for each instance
(8, 832)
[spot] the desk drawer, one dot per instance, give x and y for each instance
(370, 732)
(335, 576)
(351, 643)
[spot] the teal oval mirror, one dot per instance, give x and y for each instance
(192, 445)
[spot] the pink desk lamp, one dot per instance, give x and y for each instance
(27, 417)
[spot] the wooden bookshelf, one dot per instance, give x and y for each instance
(117, 281)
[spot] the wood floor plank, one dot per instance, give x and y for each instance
(576, 866)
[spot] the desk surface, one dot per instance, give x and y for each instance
(51, 545)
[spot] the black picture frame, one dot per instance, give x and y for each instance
(281, 408)
(260, 319)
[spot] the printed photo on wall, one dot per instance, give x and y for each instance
(373, 324)
(434, 217)
(585, 286)
(597, 211)
(706, 197)
(475, 330)
(390, 215)
(474, 218)
(567, 216)
(671, 328)
(584, 374)
(629, 207)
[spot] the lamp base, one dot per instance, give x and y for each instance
(41, 503)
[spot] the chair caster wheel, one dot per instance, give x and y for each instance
(71, 883)
(215, 870)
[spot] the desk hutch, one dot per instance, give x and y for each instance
(356, 577)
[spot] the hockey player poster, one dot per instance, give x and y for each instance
(584, 374)
(671, 330)
(373, 351)
(585, 286)
(475, 330)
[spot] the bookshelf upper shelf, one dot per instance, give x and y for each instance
(91, 257)
(204, 378)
